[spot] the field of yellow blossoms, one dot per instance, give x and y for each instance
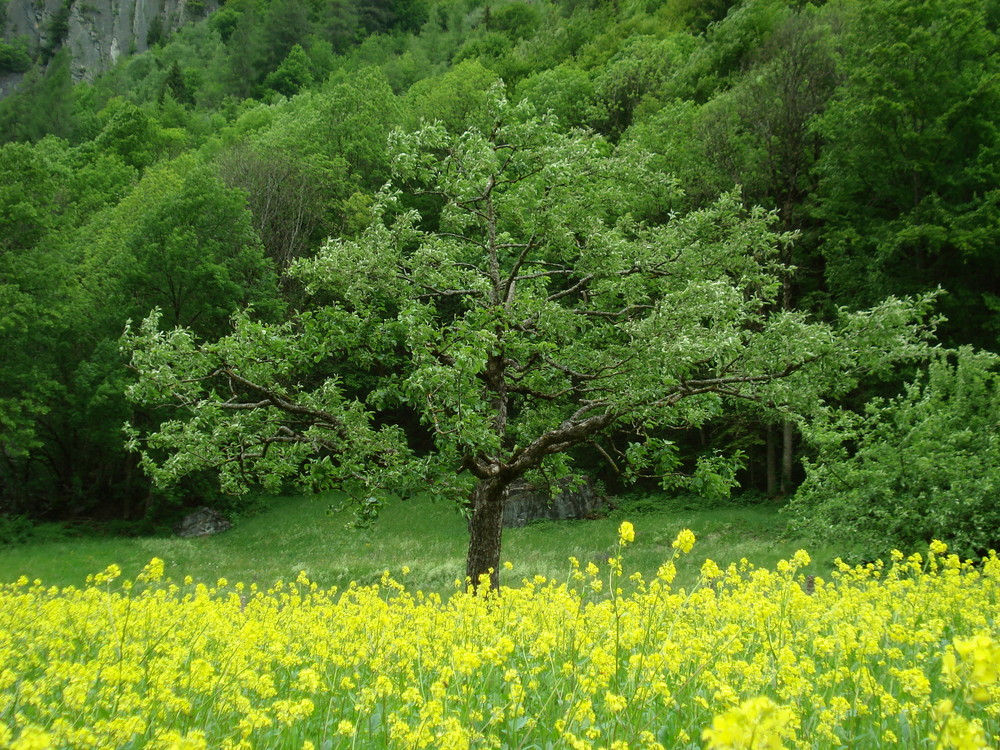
(904, 654)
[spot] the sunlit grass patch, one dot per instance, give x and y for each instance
(429, 536)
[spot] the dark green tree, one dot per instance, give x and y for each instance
(42, 104)
(924, 465)
(181, 241)
(292, 75)
(909, 173)
(131, 134)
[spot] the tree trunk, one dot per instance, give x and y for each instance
(787, 457)
(485, 530)
(772, 462)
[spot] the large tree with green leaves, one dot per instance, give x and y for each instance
(529, 316)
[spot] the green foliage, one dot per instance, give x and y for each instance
(532, 314)
(195, 9)
(131, 134)
(42, 104)
(870, 126)
(517, 20)
(637, 72)
(908, 176)
(924, 465)
(698, 15)
(452, 97)
(565, 91)
(728, 49)
(183, 242)
(34, 277)
(58, 28)
(154, 33)
(14, 55)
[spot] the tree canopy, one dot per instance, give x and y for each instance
(531, 315)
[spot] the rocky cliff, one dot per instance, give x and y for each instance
(96, 32)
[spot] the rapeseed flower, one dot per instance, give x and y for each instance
(905, 653)
(684, 541)
(626, 533)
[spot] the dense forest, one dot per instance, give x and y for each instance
(851, 144)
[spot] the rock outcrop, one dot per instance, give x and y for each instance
(96, 32)
(528, 503)
(203, 522)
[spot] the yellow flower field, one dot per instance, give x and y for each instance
(905, 654)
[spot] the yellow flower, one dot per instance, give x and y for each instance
(626, 533)
(667, 572)
(756, 724)
(973, 663)
(955, 732)
(153, 570)
(684, 541)
(615, 703)
(33, 738)
(710, 570)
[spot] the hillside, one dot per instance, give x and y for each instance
(854, 144)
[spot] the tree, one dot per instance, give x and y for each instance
(34, 281)
(131, 134)
(532, 316)
(42, 104)
(183, 241)
(292, 75)
(282, 197)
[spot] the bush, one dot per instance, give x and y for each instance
(14, 57)
(15, 529)
(923, 466)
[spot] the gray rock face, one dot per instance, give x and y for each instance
(99, 31)
(203, 522)
(527, 503)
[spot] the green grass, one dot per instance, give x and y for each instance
(298, 533)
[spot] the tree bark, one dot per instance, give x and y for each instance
(787, 457)
(772, 462)
(486, 529)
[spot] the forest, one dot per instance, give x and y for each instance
(699, 244)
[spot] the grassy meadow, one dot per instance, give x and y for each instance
(427, 536)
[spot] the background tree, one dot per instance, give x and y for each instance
(535, 317)
(283, 199)
(292, 75)
(181, 241)
(907, 179)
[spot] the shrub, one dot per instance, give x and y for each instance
(921, 466)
